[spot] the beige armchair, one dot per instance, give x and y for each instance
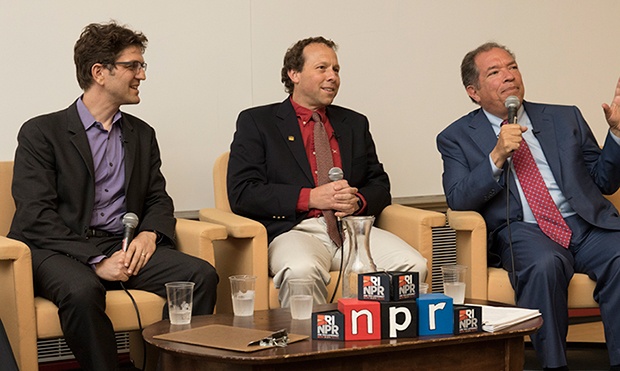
(28, 318)
(248, 238)
(492, 283)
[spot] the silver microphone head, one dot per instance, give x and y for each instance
(335, 173)
(130, 220)
(512, 102)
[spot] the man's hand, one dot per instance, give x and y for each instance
(337, 196)
(113, 268)
(612, 113)
(509, 140)
(140, 251)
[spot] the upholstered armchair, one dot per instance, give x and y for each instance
(248, 238)
(28, 318)
(492, 283)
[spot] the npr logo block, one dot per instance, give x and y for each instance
(436, 314)
(374, 286)
(467, 318)
(399, 319)
(407, 286)
(328, 325)
(362, 319)
(388, 286)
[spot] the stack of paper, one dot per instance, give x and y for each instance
(498, 318)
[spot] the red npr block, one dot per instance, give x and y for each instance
(362, 319)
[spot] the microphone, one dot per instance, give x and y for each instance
(512, 103)
(130, 222)
(335, 173)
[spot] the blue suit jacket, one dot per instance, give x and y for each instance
(582, 170)
(268, 165)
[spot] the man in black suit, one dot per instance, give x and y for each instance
(272, 174)
(76, 173)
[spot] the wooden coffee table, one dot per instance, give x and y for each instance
(503, 350)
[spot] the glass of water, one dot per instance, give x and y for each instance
(300, 297)
(454, 282)
(180, 296)
(242, 292)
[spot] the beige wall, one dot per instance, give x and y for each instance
(400, 66)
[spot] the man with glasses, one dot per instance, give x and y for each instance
(77, 173)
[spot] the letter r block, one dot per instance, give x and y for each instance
(436, 314)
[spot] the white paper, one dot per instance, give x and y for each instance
(498, 318)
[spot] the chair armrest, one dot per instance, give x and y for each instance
(236, 225)
(414, 226)
(196, 238)
(243, 252)
(17, 298)
(471, 250)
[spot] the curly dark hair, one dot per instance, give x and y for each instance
(469, 70)
(102, 43)
(294, 58)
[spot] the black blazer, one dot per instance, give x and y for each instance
(268, 165)
(53, 184)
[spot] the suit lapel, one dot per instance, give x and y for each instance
(291, 134)
(483, 135)
(544, 129)
(79, 139)
(130, 141)
(482, 132)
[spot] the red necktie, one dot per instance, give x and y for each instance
(324, 162)
(544, 209)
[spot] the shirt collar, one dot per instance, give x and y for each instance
(496, 122)
(304, 114)
(88, 120)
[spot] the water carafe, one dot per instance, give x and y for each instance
(359, 259)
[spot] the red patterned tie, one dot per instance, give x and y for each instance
(544, 209)
(324, 162)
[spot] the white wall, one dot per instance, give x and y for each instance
(400, 66)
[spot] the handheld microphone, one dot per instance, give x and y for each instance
(130, 222)
(335, 173)
(512, 103)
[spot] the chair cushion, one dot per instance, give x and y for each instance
(580, 290)
(119, 308)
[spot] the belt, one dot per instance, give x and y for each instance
(92, 232)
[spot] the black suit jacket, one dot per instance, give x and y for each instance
(268, 165)
(53, 184)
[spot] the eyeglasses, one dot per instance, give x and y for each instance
(135, 66)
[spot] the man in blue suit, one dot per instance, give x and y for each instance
(478, 154)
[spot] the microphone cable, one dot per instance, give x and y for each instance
(135, 305)
(512, 103)
(340, 231)
(512, 256)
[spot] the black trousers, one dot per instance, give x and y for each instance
(8, 362)
(80, 296)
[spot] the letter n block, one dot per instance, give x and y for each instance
(362, 319)
(436, 314)
(399, 319)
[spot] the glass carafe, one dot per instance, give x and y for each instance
(359, 259)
